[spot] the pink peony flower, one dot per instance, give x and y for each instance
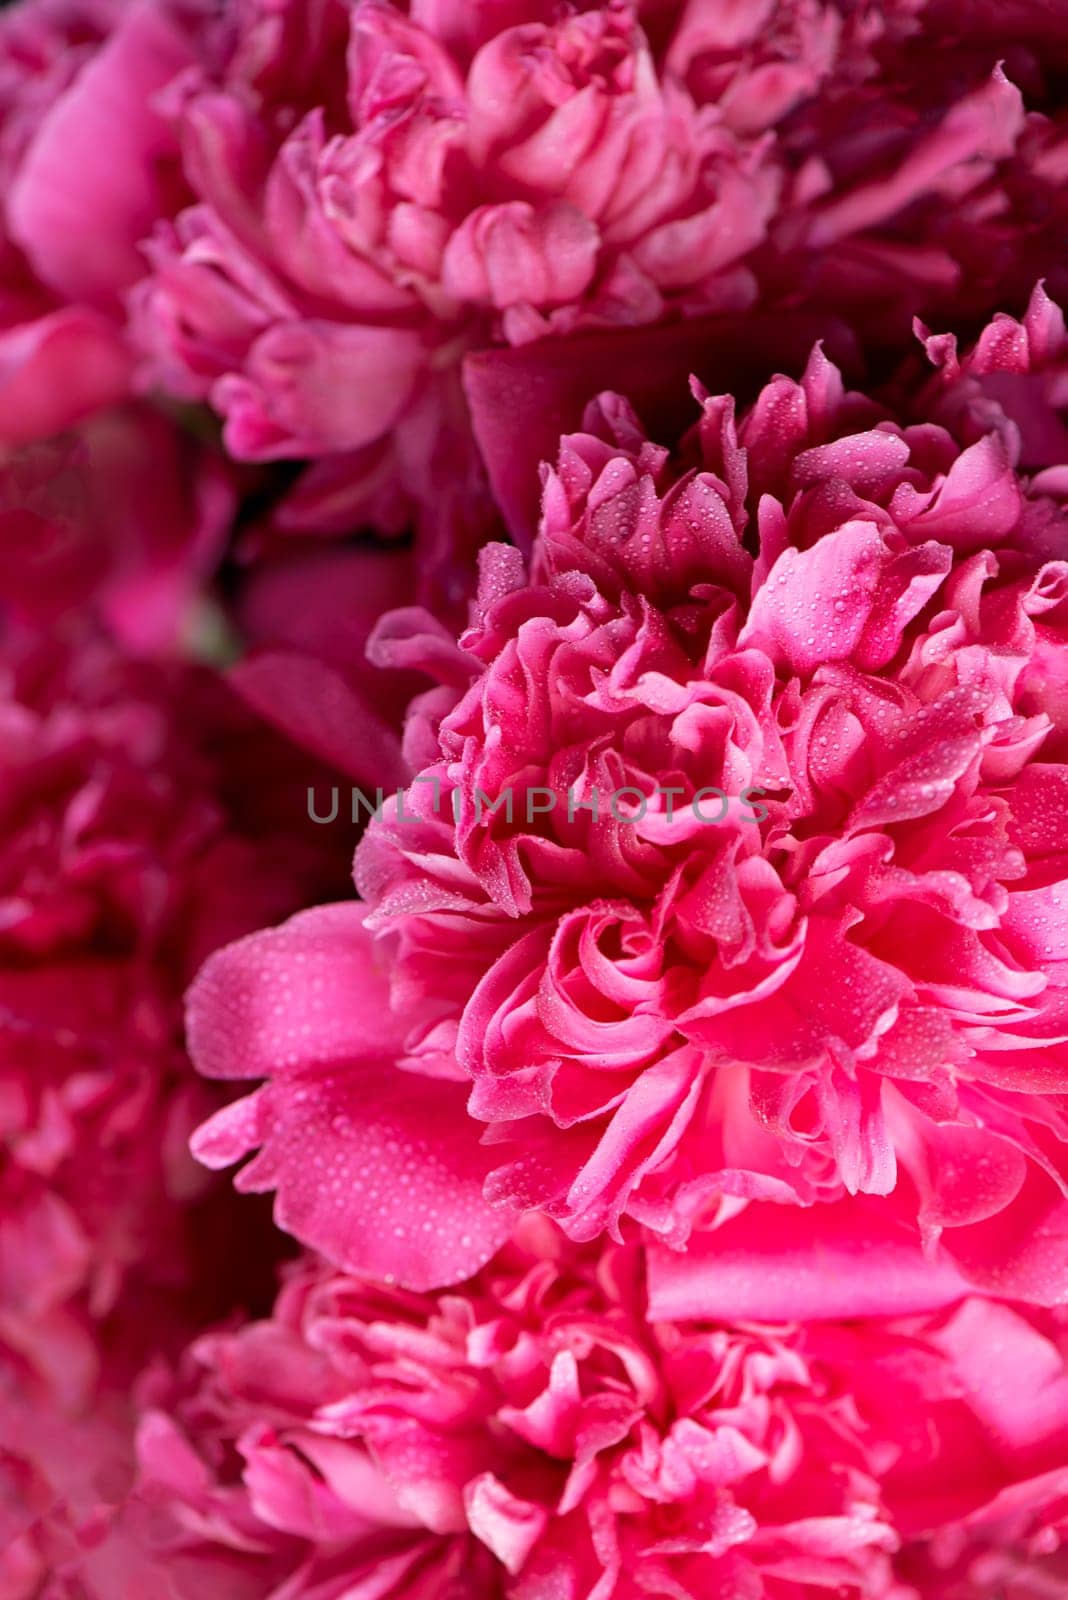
(389, 188)
(137, 837)
(659, 1004)
(544, 1430)
(516, 191)
(376, 199)
(87, 165)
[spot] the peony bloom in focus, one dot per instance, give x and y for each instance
(529, 1434)
(664, 1005)
(543, 1430)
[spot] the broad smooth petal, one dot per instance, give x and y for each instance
(379, 1169)
(850, 1259)
(316, 706)
(86, 192)
(56, 370)
(291, 997)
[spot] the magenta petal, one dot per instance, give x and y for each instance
(56, 370)
(231, 1134)
(289, 998)
(1021, 1253)
(846, 597)
(515, 254)
(851, 1259)
(86, 193)
(379, 1169)
(316, 387)
(1014, 1377)
(320, 709)
(976, 506)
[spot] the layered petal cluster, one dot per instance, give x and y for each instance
(385, 191)
(139, 833)
(545, 1430)
(378, 192)
(381, 189)
(732, 868)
